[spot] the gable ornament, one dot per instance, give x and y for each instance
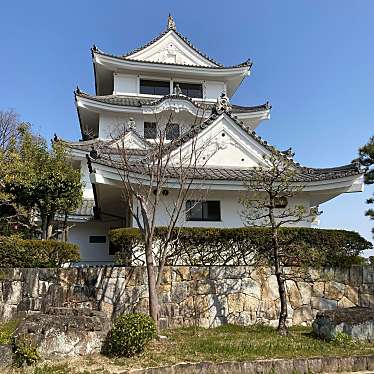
(222, 104)
(131, 125)
(177, 90)
(171, 23)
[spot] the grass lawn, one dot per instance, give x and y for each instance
(220, 344)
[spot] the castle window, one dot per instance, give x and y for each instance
(150, 130)
(190, 89)
(97, 239)
(149, 87)
(172, 131)
(203, 210)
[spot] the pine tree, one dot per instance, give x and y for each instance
(367, 160)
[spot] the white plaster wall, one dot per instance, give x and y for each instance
(230, 209)
(91, 252)
(125, 84)
(111, 125)
(214, 89)
(85, 178)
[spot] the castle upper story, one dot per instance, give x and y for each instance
(167, 76)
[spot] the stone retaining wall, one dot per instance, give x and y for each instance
(208, 296)
(278, 366)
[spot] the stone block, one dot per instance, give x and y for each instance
(6, 356)
(227, 286)
(359, 363)
(260, 274)
(356, 322)
(341, 275)
(351, 293)
(355, 275)
(345, 303)
(315, 365)
(293, 294)
(370, 362)
(300, 365)
(67, 334)
(305, 289)
(327, 304)
(318, 289)
(199, 272)
(327, 274)
(366, 300)
(346, 364)
(12, 292)
(330, 365)
(240, 302)
(302, 315)
(282, 366)
(179, 292)
(368, 274)
(334, 290)
(250, 287)
(202, 287)
(270, 289)
(181, 273)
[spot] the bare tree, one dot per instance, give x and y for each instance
(266, 203)
(9, 121)
(170, 166)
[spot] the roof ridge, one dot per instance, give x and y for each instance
(181, 36)
(235, 174)
(247, 63)
(152, 102)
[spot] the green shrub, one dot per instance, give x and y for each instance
(25, 351)
(17, 252)
(6, 331)
(242, 246)
(129, 335)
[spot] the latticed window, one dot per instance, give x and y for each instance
(149, 87)
(150, 130)
(172, 131)
(190, 89)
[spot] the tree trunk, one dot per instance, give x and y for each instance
(152, 289)
(278, 269)
(65, 229)
(282, 327)
(49, 228)
(44, 226)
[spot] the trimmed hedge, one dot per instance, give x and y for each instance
(23, 253)
(248, 245)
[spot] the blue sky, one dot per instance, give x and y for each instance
(313, 60)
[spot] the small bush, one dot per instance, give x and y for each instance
(6, 331)
(344, 339)
(129, 335)
(25, 351)
(16, 252)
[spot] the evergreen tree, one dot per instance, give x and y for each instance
(37, 181)
(367, 160)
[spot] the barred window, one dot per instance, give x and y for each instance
(150, 130)
(172, 131)
(150, 87)
(190, 89)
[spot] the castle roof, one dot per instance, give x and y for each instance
(131, 101)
